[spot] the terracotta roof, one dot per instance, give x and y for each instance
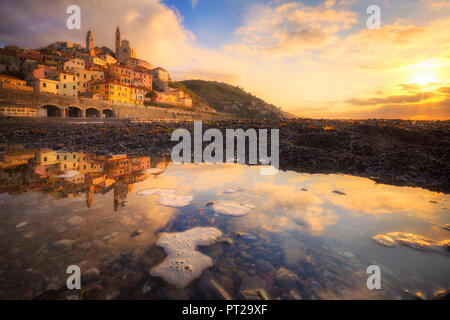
(5, 52)
(32, 56)
(10, 77)
(107, 81)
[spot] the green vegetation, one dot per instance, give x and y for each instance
(196, 100)
(226, 98)
(151, 94)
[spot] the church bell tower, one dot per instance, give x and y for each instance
(118, 41)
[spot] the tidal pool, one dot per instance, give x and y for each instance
(286, 236)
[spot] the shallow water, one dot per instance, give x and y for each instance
(304, 236)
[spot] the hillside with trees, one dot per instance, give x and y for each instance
(226, 98)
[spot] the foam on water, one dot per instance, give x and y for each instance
(156, 191)
(167, 197)
(233, 190)
(397, 239)
(174, 200)
(184, 263)
(229, 208)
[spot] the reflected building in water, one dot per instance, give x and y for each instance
(68, 174)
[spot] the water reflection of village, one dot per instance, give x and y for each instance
(70, 174)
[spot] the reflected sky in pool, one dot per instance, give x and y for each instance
(308, 236)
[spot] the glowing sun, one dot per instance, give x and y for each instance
(423, 78)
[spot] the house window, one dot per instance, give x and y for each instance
(45, 159)
(44, 85)
(65, 86)
(57, 86)
(64, 77)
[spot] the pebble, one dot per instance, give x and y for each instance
(442, 295)
(113, 295)
(348, 254)
(86, 245)
(137, 233)
(295, 295)
(91, 274)
(76, 220)
(257, 294)
(263, 265)
(286, 278)
(220, 292)
(21, 225)
(315, 285)
(99, 244)
(227, 241)
(146, 288)
(112, 235)
(66, 243)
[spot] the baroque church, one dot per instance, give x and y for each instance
(123, 48)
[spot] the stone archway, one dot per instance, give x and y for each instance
(52, 111)
(108, 113)
(92, 113)
(74, 112)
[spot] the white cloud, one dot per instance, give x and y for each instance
(290, 29)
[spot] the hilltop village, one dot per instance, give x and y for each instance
(69, 69)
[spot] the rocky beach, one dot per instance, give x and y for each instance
(398, 152)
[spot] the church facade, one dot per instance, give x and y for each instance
(123, 49)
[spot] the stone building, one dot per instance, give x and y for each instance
(123, 49)
(112, 91)
(43, 85)
(93, 60)
(76, 63)
(90, 42)
(9, 82)
(161, 74)
(39, 71)
(107, 58)
(130, 76)
(9, 61)
(138, 63)
(85, 76)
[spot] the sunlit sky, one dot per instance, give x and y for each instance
(311, 58)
